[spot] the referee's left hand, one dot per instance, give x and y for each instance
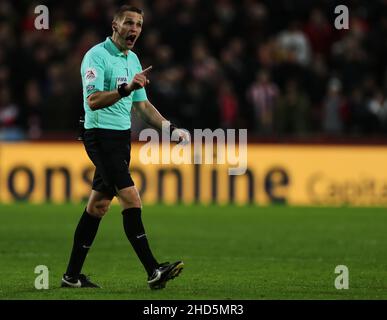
(181, 136)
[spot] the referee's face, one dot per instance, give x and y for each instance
(128, 29)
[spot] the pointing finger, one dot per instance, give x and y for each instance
(146, 70)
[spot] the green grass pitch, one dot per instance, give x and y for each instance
(230, 252)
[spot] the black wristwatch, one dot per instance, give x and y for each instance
(121, 90)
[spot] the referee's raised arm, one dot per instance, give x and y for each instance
(103, 99)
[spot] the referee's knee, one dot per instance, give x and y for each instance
(99, 208)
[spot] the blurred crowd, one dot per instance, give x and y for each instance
(279, 68)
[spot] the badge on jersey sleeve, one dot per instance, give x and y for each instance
(121, 80)
(90, 75)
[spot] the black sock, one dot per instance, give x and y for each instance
(135, 232)
(83, 239)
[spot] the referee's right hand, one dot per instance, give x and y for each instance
(139, 80)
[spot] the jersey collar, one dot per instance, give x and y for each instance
(111, 47)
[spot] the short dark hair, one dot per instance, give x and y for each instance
(120, 11)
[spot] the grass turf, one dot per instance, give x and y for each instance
(229, 252)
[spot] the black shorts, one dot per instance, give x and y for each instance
(109, 150)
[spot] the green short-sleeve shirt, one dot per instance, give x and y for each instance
(104, 67)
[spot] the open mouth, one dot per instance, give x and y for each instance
(131, 38)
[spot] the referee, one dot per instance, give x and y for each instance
(113, 83)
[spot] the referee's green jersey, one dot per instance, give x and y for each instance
(103, 68)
